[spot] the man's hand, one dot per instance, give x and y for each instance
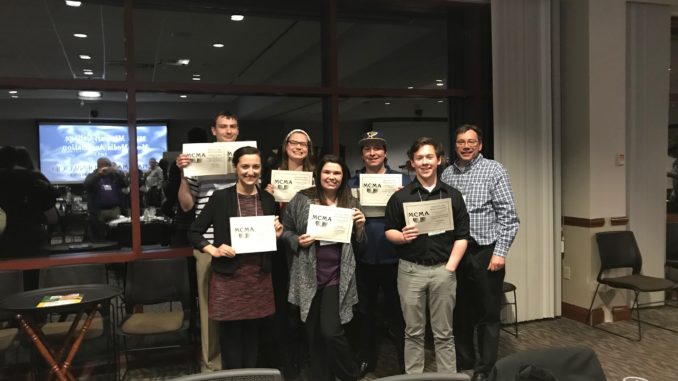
(496, 263)
(183, 161)
(410, 232)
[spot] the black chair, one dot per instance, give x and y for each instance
(152, 289)
(562, 364)
(11, 282)
(103, 322)
(252, 374)
(618, 249)
(510, 287)
(427, 377)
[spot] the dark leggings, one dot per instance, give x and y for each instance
(239, 340)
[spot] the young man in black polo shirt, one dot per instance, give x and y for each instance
(426, 270)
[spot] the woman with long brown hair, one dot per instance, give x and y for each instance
(322, 274)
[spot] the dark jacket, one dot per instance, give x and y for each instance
(222, 205)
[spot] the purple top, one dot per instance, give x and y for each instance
(328, 263)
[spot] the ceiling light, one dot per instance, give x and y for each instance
(410, 87)
(86, 70)
(218, 45)
(72, 3)
(183, 61)
(237, 17)
(79, 35)
(387, 103)
(89, 94)
(439, 80)
(440, 84)
(196, 78)
(184, 96)
(13, 91)
(88, 73)
(196, 75)
(85, 57)
(441, 101)
(15, 96)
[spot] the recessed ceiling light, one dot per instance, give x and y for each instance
(237, 17)
(440, 84)
(79, 35)
(87, 70)
(88, 73)
(13, 91)
(72, 3)
(196, 78)
(183, 61)
(15, 96)
(89, 94)
(387, 103)
(441, 101)
(218, 45)
(439, 80)
(85, 57)
(196, 75)
(183, 96)
(410, 87)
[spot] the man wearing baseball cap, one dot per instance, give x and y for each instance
(377, 268)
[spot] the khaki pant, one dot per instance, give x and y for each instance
(209, 329)
(433, 286)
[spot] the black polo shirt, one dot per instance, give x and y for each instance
(427, 249)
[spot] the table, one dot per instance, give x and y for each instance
(24, 304)
(74, 247)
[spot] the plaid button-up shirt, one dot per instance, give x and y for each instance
(486, 188)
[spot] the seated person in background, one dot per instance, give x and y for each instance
(104, 196)
(25, 196)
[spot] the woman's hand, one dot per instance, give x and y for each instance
(269, 188)
(277, 226)
(222, 251)
(305, 240)
(410, 233)
(358, 219)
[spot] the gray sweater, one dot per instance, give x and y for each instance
(303, 285)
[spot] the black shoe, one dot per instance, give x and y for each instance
(479, 376)
(365, 368)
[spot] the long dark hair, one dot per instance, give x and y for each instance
(343, 192)
(308, 161)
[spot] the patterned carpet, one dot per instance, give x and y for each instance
(655, 358)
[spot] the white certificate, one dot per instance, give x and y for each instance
(430, 217)
(253, 234)
(287, 183)
(209, 159)
(369, 211)
(326, 223)
(376, 189)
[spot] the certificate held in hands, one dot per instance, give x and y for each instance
(376, 189)
(430, 217)
(209, 159)
(326, 223)
(253, 234)
(287, 183)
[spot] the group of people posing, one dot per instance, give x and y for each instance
(455, 275)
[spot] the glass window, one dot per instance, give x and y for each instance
(49, 39)
(67, 157)
(208, 45)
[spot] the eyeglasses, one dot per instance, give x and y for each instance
(295, 143)
(470, 143)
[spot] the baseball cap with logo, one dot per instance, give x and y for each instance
(372, 138)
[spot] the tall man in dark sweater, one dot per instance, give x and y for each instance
(426, 270)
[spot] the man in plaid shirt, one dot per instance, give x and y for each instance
(486, 189)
